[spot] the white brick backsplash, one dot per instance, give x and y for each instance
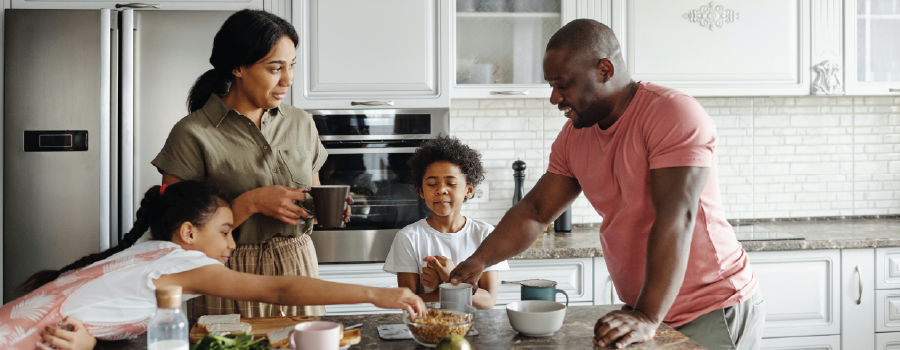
(777, 156)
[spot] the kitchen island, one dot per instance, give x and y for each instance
(494, 333)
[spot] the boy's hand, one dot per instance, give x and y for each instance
(430, 278)
(442, 265)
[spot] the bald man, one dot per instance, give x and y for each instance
(644, 156)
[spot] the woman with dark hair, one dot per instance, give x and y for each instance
(240, 137)
(110, 295)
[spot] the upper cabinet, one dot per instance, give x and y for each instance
(372, 54)
(224, 5)
(498, 45)
(726, 47)
(872, 47)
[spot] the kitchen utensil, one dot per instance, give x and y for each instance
(519, 178)
(353, 327)
(460, 293)
(536, 318)
(510, 282)
(541, 290)
(316, 335)
(429, 335)
(328, 204)
(564, 222)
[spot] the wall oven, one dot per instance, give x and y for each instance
(369, 150)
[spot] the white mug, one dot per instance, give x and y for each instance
(316, 335)
(460, 293)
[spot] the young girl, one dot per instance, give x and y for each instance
(112, 292)
(445, 173)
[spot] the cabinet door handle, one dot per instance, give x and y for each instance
(509, 92)
(372, 103)
(859, 278)
(894, 90)
(137, 5)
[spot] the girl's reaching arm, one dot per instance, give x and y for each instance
(287, 290)
(486, 296)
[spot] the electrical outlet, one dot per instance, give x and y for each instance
(482, 194)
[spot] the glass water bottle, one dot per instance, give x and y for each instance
(168, 327)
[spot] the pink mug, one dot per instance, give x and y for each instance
(316, 335)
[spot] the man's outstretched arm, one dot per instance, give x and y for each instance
(520, 226)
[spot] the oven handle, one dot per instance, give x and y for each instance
(371, 150)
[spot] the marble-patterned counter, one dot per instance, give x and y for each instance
(494, 333)
(816, 234)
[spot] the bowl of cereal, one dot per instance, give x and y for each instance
(442, 319)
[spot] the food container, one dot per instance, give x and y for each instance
(443, 319)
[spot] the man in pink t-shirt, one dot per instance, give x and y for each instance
(644, 156)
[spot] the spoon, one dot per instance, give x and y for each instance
(511, 282)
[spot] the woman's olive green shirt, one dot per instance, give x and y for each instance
(219, 145)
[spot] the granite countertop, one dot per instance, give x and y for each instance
(494, 333)
(816, 234)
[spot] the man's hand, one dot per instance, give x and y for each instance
(430, 278)
(442, 265)
(626, 326)
(468, 271)
(76, 339)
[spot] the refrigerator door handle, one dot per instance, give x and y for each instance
(127, 123)
(105, 132)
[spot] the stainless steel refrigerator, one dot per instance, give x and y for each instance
(89, 99)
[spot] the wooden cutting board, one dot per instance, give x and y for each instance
(260, 326)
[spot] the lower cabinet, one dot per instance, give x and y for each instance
(801, 293)
(573, 276)
(831, 342)
(604, 290)
(887, 341)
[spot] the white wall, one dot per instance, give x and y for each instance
(778, 157)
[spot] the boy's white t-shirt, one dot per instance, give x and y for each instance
(419, 240)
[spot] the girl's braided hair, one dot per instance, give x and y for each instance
(187, 201)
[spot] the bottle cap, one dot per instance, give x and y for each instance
(168, 297)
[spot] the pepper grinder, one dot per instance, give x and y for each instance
(519, 176)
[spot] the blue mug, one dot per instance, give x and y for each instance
(541, 290)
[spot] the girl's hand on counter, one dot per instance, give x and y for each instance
(76, 339)
(399, 298)
(279, 202)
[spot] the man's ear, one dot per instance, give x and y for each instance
(605, 69)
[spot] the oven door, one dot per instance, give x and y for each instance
(383, 200)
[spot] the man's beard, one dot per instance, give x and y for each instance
(592, 114)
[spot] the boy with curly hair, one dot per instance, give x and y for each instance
(444, 173)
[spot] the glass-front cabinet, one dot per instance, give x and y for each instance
(872, 49)
(498, 45)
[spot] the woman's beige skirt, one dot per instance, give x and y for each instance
(278, 256)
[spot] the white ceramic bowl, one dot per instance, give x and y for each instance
(536, 318)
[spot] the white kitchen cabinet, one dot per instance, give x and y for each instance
(887, 341)
(221, 5)
(722, 48)
(604, 290)
(498, 46)
(857, 298)
(831, 342)
(887, 268)
(363, 274)
(871, 49)
(801, 291)
(574, 276)
(372, 54)
(887, 310)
